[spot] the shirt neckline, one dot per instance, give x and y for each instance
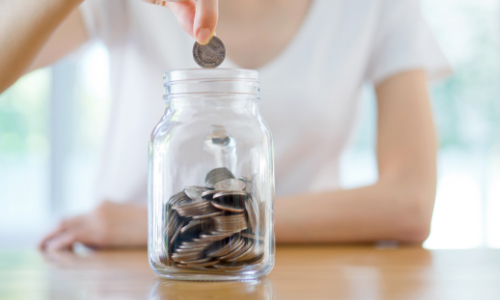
(299, 35)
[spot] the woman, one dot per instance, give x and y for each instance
(312, 56)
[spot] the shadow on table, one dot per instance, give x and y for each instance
(261, 289)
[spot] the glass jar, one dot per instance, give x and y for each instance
(211, 179)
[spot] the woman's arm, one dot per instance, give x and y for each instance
(25, 28)
(34, 34)
(399, 206)
(68, 37)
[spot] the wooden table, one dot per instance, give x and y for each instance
(312, 272)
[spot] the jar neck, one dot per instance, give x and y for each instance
(238, 104)
(235, 89)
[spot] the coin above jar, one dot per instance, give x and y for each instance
(214, 227)
(210, 55)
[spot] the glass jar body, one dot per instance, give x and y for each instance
(211, 183)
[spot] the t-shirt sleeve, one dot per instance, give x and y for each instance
(107, 20)
(404, 42)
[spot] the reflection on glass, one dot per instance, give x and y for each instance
(254, 289)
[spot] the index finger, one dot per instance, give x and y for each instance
(205, 20)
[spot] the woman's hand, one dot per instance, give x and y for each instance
(109, 225)
(197, 17)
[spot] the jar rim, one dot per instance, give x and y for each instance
(173, 76)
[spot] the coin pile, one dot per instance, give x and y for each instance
(210, 55)
(213, 227)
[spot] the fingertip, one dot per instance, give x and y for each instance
(42, 245)
(205, 20)
(62, 242)
(204, 36)
(51, 246)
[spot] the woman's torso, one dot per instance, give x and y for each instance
(310, 90)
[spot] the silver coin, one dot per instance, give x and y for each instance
(257, 250)
(205, 264)
(214, 236)
(217, 175)
(226, 249)
(222, 170)
(208, 195)
(227, 208)
(210, 215)
(195, 208)
(236, 252)
(230, 185)
(248, 184)
(164, 259)
(178, 198)
(176, 233)
(197, 261)
(183, 248)
(253, 214)
(177, 257)
(193, 244)
(229, 193)
(172, 219)
(190, 251)
(229, 267)
(230, 224)
(233, 201)
(194, 192)
(253, 237)
(190, 225)
(210, 55)
(245, 253)
(173, 226)
(256, 260)
(179, 265)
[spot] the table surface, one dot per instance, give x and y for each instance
(301, 272)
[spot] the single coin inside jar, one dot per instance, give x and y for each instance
(210, 55)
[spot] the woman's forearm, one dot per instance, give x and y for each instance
(25, 27)
(399, 206)
(383, 211)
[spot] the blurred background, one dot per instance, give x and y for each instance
(52, 122)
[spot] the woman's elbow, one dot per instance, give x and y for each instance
(416, 233)
(415, 217)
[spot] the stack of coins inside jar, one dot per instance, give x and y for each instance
(214, 227)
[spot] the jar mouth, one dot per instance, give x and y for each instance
(211, 81)
(173, 76)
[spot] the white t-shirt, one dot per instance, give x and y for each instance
(310, 92)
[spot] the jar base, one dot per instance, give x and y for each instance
(226, 276)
